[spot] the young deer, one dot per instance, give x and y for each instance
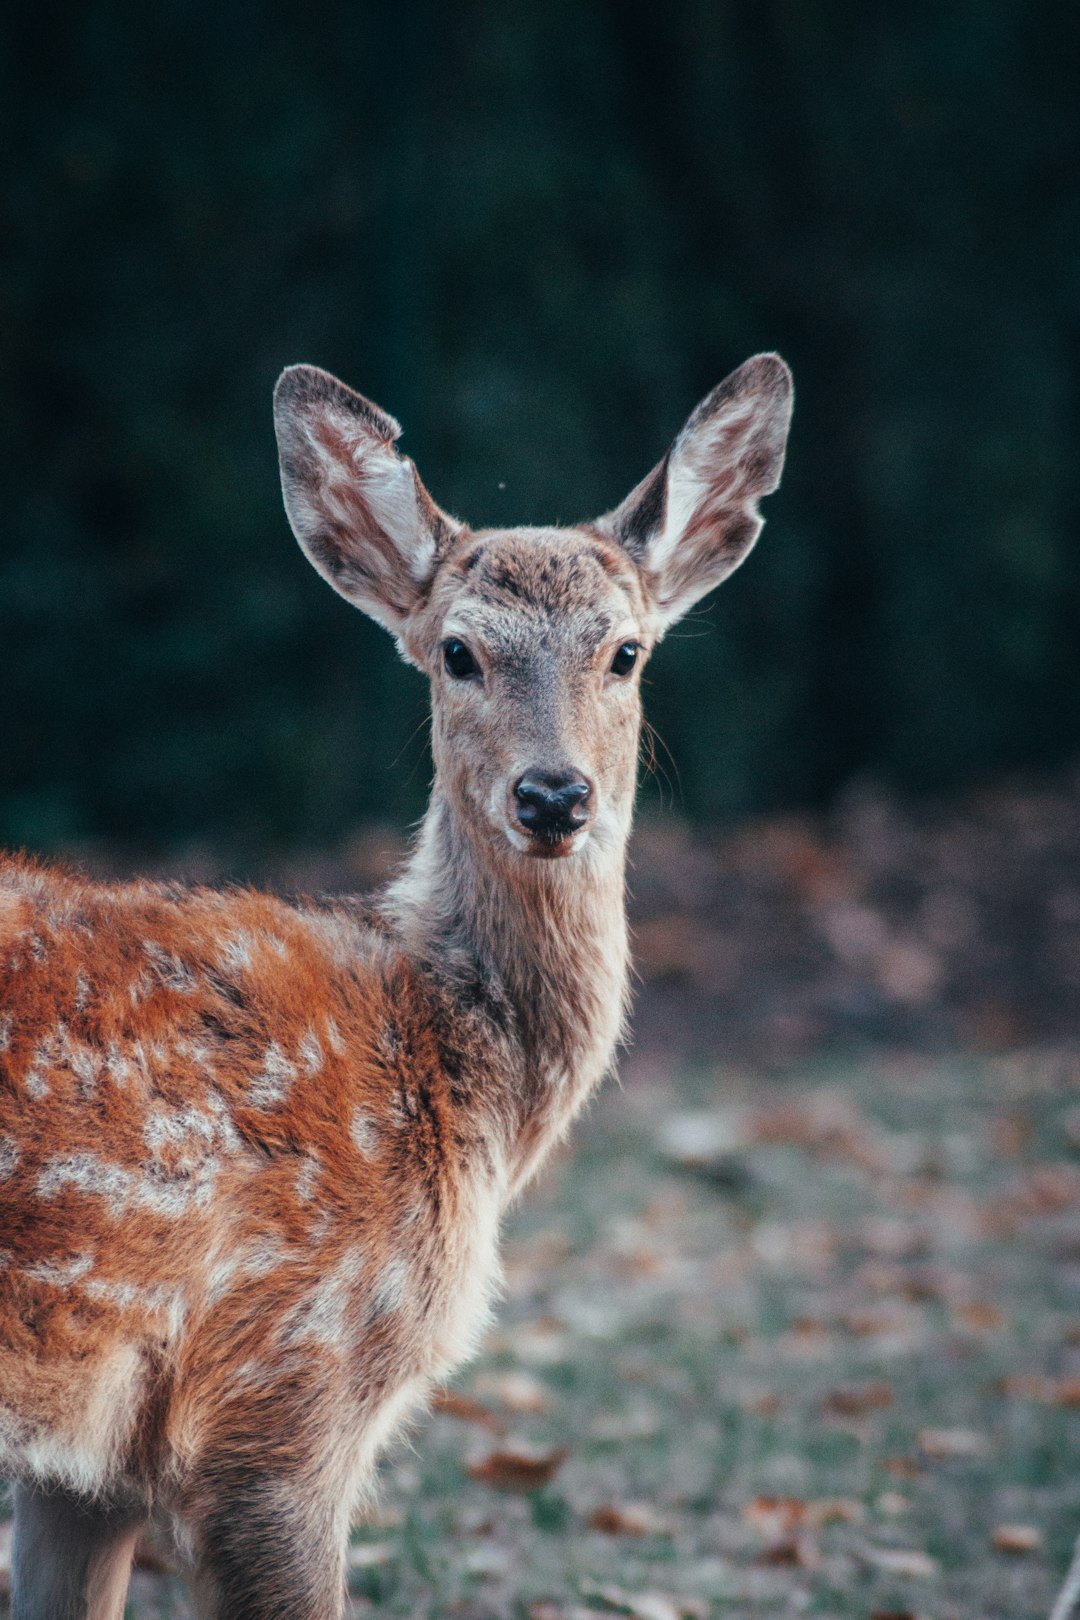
(253, 1156)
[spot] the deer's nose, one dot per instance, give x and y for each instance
(552, 804)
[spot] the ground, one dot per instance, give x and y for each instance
(793, 1325)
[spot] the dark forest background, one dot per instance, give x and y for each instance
(537, 236)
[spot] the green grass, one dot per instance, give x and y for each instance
(883, 1251)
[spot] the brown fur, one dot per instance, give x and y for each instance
(253, 1156)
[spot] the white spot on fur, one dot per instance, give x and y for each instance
(271, 1085)
(258, 1260)
(153, 1189)
(186, 1129)
(311, 1052)
(364, 1133)
(110, 1292)
(87, 1174)
(235, 954)
(321, 1317)
(85, 1068)
(140, 988)
(307, 1177)
(5, 1032)
(9, 1157)
(117, 1066)
(392, 1289)
(60, 1274)
(172, 973)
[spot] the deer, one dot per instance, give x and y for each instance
(255, 1153)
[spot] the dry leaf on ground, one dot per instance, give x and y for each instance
(518, 1468)
(628, 1519)
(1017, 1538)
(516, 1391)
(907, 1562)
(953, 1443)
(856, 1399)
(452, 1404)
(798, 1551)
(647, 1605)
(369, 1555)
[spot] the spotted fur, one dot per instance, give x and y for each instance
(253, 1155)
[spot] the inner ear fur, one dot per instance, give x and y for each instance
(356, 505)
(694, 519)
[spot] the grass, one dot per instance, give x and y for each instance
(806, 1360)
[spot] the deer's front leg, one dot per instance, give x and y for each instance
(71, 1558)
(268, 1542)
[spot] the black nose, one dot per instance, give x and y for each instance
(552, 804)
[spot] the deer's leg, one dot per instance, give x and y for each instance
(71, 1557)
(268, 1545)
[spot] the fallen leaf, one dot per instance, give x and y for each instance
(907, 1562)
(647, 1605)
(799, 1551)
(835, 1510)
(627, 1519)
(1026, 1387)
(546, 1610)
(1012, 1133)
(980, 1315)
(516, 1391)
(452, 1404)
(765, 1405)
(856, 1399)
(953, 1443)
(901, 1467)
(369, 1555)
(518, 1468)
(1067, 1392)
(1017, 1538)
(775, 1516)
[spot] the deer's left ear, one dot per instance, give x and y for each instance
(691, 522)
(357, 507)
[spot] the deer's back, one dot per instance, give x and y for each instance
(230, 1144)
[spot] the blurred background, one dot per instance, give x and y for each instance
(538, 238)
(798, 1326)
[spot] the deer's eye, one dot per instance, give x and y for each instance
(459, 661)
(625, 659)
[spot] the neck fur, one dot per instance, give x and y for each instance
(548, 937)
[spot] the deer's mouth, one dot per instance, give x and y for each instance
(550, 844)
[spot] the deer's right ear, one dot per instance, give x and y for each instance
(357, 507)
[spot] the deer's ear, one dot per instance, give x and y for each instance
(695, 517)
(357, 507)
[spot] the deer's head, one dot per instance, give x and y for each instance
(534, 639)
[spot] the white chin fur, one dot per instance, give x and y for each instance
(521, 841)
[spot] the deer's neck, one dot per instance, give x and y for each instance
(549, 940)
